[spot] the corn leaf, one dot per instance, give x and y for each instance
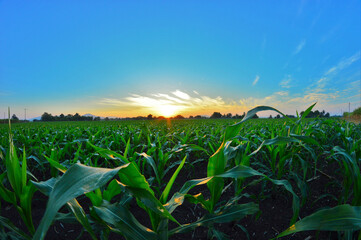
(123, 222)
(340, 218)
(77, 180)
(232, 213)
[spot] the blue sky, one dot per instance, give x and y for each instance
(130, 58)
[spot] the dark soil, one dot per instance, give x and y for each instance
(275, 206)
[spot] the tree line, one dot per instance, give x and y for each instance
(48, 117)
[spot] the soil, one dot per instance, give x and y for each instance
(275, 206)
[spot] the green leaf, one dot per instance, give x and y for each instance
(109, 154)
(275, 141)
(340, 218)
(80, 215)
(217, 162)
(138, 186)
(235, 212)
(130, 176)
(151, 162)
(6, 223)
(47, 186)
(164, 196)
(123, 222)
(112, 190)
(304, 115)
(56, 164)
(77, 180)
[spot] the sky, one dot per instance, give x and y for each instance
(134, 58)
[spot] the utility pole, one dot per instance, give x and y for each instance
(349, 107)
(25, 113)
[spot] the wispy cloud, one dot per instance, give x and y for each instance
(181, 95)
(343, 64)
(285, 83)
(299, 47)
(177, 102)
(320, 84)
(255, 81)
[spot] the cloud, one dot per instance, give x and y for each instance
(177, 103)
(255, 81)
(343, 64)
(181, 95)
(285, 83)
(299, 47)
(320, 84)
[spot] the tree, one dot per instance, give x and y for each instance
(229, 115)
(270, 116)
(179, 117)
(14, 118)
(76, 117)
(47, 117)
(216, 115)
(150, 117)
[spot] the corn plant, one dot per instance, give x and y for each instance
(22, 190)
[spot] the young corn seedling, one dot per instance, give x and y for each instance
(22, 190)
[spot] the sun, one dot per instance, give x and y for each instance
(167, 110)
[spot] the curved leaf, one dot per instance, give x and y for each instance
(340, 218)
(77, 180)
(233, 213)
(123, 222)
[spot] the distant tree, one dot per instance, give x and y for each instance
(47, 117)
(190, 117)
(216, 115)
(106, 119)
(62, 117)
(14, 118)
(278, 116)
(179, 117)
(76, 117)
(327, 115)
(96, 119)
(270, 116)
(150, 117)
(198, 116)
(161, 117)
(229, 115)
(255, 116)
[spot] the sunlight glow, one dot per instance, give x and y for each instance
(167, 110)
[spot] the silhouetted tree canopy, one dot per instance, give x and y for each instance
(216, 115)
(14, 118)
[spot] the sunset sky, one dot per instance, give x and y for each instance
(131, 58)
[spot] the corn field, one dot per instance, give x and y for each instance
(182, 179)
